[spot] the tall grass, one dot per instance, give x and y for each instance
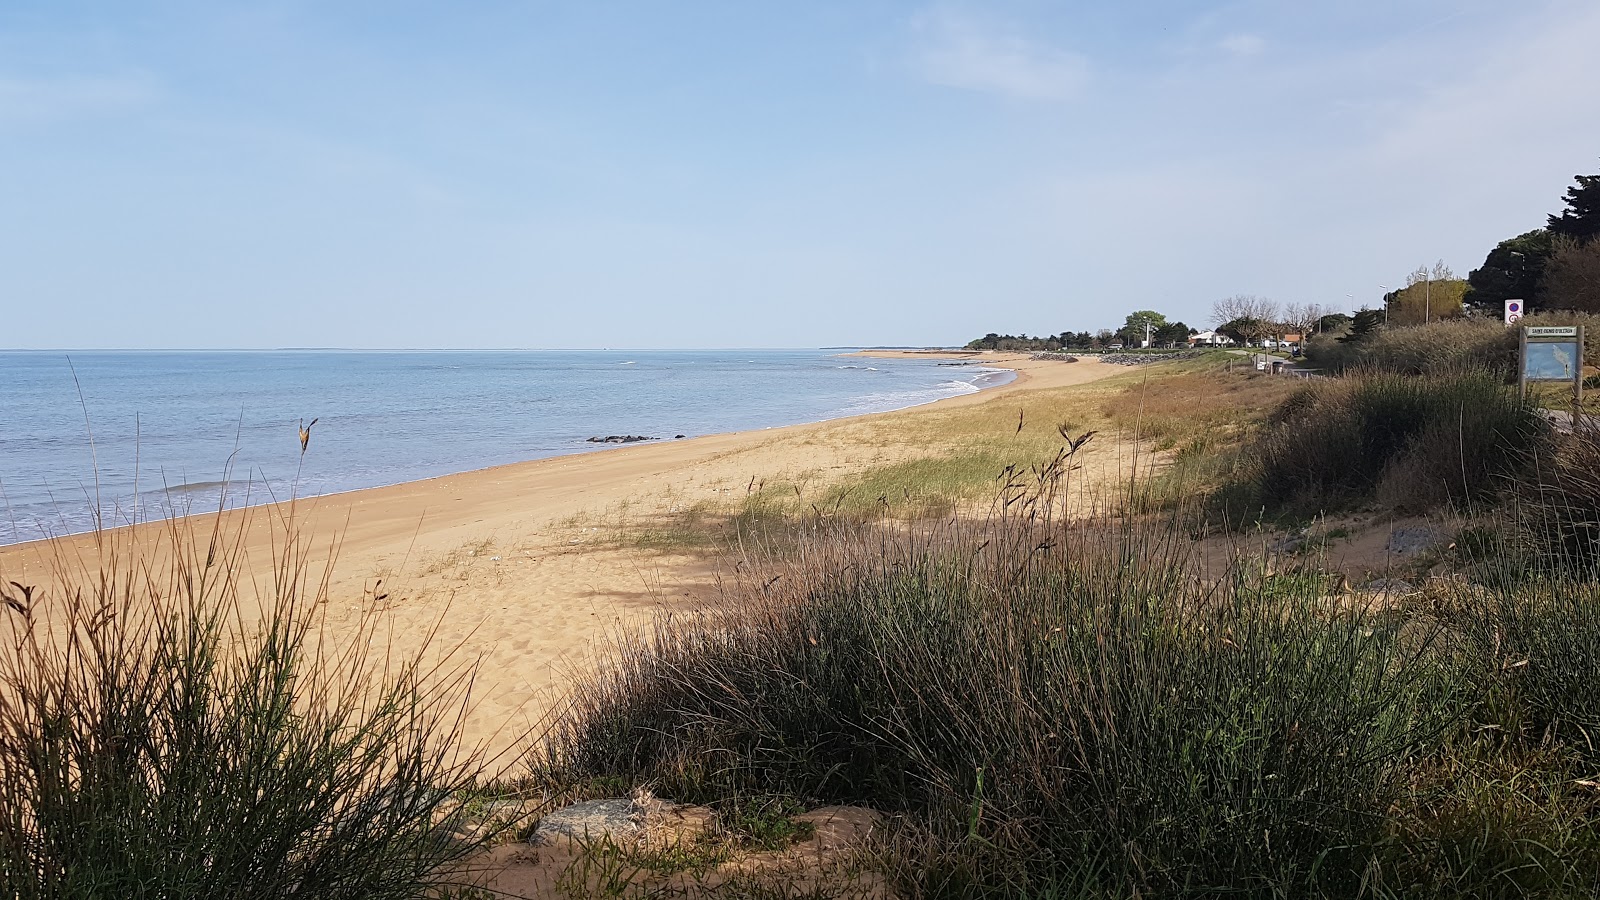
(1439, 348)
(1056, 704)
(1077, 706)
(1417, 442)
(167, 731)
(1560, 515)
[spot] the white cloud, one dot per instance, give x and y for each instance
(958, 51)
(1242, 44)
(25, 99)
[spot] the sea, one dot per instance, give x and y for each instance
(114, 437)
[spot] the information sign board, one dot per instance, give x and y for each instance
(1551, 354)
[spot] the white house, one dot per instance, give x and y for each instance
(1209, 339)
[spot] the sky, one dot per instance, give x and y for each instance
(753, 174)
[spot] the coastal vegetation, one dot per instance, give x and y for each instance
(1442, 346)
(1142, 697)
(168, 728)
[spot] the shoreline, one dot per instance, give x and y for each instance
(526, 566)
(1017, 378)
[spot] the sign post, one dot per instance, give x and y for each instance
(1551, 354)
(1513, 311)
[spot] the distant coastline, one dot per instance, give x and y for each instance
(397, 417)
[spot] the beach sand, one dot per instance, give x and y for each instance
(520, 565)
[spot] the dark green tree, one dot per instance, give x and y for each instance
(1365, 324)
(1332, 322)
(1572, 280)
(1512, 270)
(1171, 334)
(1581, 219)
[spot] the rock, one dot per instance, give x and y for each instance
(620, 439)
(678, 437)
(1408, 540)
(1143, 359)
(645, 818)
(591, 820)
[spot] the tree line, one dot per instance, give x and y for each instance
(1554, 267)
(1139, 326)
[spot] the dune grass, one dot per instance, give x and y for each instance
(1078, 708)
(173, 724)
(1062, 699)
(1419, 441)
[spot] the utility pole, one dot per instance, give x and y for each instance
(1427, 298)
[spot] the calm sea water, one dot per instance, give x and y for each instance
(170, 428)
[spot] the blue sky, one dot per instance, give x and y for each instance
(754, 174)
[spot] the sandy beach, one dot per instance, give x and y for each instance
(520, 562)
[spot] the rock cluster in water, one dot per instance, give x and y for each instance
(621, 439)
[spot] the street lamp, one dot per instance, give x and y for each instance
(1385, 289)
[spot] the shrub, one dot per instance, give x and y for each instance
(1055, 705)
(164, 735)
(1439, 348)
(1424, 440)
(1442, 347)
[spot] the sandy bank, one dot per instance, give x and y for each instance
(519, 555)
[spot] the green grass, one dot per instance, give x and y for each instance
(1414, 443)
(1026, 690)
(166, 733)
(1067, 707)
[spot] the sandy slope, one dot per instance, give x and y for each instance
(514, 560)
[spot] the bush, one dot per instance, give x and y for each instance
(162, 736)
(1421, 441)
(1444, 347)
(1054, 705)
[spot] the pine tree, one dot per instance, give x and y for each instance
(1365, 324)
(1581, 219)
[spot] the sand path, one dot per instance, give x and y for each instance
(516, 560)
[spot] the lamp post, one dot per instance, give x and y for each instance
(1385, 289)
(1427, 297)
